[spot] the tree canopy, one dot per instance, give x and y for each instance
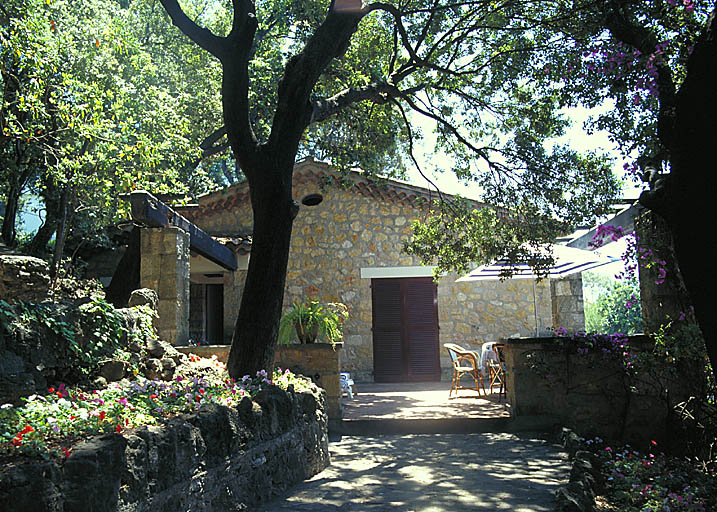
(96, 102)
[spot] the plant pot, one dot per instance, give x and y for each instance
(306, 333)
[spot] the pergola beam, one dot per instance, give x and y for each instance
(152, 212)
(625, 220)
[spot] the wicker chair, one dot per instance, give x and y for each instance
(464, 362)
(496, 370)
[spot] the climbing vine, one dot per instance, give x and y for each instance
(91, 333)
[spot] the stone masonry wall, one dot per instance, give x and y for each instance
(591, 393)
(348, 231)
(218, 459)
(165, 269)
(568, 305)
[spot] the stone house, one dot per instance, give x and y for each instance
(347, 248)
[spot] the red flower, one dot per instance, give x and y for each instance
(153, 396)
(102, 415)
(73, 417)
(118, 429)
(51, 390)
(67, 452)
(17, 441)
(27, 429)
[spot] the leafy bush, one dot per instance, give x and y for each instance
(616, 309)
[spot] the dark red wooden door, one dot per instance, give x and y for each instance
(405, 330)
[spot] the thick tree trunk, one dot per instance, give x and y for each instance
(687, 198)
(696, 252)
(695, 183)
(255, 333)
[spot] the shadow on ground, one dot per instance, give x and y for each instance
(427, 473)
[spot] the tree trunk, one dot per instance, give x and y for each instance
(8, 221)
(256, 329)
(52, 196)
(60, 237)
(695, 185)
(686, 199)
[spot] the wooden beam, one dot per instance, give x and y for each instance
(150, 211)
(625, 220)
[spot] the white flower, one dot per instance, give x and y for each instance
(5, 406)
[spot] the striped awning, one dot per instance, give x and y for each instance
(568, 260)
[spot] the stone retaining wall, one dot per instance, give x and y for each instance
(218, 459)
(590, 393)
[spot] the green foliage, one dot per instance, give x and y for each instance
(616, 309)
(308, 319)
(94, 107)
(539, 59)
(101, 329)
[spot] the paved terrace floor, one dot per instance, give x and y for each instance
(420, 401)
(433, 473)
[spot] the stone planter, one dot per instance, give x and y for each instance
(320, 361)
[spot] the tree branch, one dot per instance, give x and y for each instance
(294, 109)
(201, 36)
(378, 92)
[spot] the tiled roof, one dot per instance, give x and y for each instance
(311, 171)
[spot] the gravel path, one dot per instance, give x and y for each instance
(431, 473)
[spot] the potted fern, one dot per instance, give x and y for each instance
(310, 320)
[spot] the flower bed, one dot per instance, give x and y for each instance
(609, 477)
(200, 442)
(48, 425)
(651, 481)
